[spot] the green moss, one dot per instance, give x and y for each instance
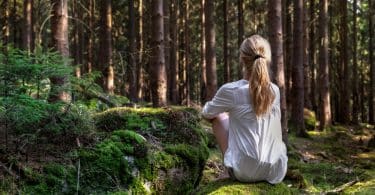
(364, 187)
(228, 186)
(55, 178)
(310, 119)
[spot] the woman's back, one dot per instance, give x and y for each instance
(254, 144)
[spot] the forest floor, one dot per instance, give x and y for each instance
(338, 160)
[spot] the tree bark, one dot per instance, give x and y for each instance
(312, 56)
(372, 65)
(76, 39)
(297, 73)
(187, 64)
(140, 68)
(306, 59)
(225, 47)
(289, 50)
(105, 55)
(28, 25)
(240, 33)
(210, 50)
(276, 41)
(355, 108)
(203, 54)
(174, 54)
(345, 77)
(324, 93)
(60, 43)
(158, 74)
(167, 44)
(5, 18)
(90, 42)
(132, 54)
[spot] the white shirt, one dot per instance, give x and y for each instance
(255, 148)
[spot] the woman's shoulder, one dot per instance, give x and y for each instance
(235, 84)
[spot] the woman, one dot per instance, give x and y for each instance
(245, 118)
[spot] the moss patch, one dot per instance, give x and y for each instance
(228, 186)
(139, 151)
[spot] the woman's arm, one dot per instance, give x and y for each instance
(222, 102)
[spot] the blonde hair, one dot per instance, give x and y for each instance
(255, 56)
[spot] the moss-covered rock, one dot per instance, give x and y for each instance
(142, 151)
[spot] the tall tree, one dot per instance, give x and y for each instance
(187, 65)
(90, 42)
(5, 18)
(288, 56)
(139, 65)
(355, 108)
(60, 43)
(28, 25)
(210, 50)
(240, 27)
(174, 54)
(225, 47)
(167, 43)
(276, 39)
(324, 94)
(306, 58)
(203, 82)
(132, 53)
(105, 57)
(157, 61)
(312, 56)
(344, 67)
(371, 62)
(77, 38)
(297, 72)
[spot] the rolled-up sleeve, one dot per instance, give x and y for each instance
(222, 102)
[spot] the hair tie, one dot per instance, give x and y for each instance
(256, 57)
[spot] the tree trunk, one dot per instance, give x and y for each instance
(289, 50)
(90, 42)
(372, 65)
(60, 43)
(297, 74)
(174, 54)
(5, 18)
(210, 50)
(344, 114)
(355, 111)
(324, 94)
(312, 56)
(157, 61)
(240, 27)
(306, 59)
(105, 55)
(76, 39)
(276, 41)
(132, 54)
(140, 69)
(187, 64)
(28, 25)
(225, 47)
(167, 43)
(203, 54)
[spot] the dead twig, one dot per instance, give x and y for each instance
(9, 171)
(343, 186)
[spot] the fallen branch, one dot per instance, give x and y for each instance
(342, 187)
(10, 172)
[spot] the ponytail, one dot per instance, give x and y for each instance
(259, 87)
